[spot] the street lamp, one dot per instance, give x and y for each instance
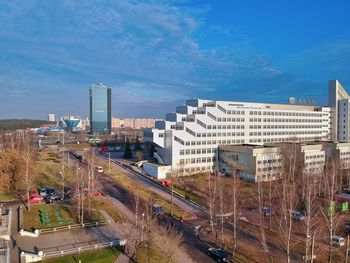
(143, 216)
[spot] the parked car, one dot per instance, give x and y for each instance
(36, 199)
(157, 210)
(99, 169)
(53, 197)
(267, 211)
(218, 254)
(42, 191)
(33, 193)
(95, 193)
(298, 216)
(337, 241)
(51, 191)
(345, 190)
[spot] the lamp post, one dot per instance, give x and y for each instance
(109, 162)
(143, 218)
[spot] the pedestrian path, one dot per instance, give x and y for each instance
(122, 259)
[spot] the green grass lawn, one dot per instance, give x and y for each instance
(156, 255)
(68, 216)
(7, 196)
(48, 169)
(103, 204)
(107, 255)
(31, 219)
(192, 197)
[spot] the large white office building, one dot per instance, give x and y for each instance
(188, 139)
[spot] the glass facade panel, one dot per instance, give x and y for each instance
(100, 109)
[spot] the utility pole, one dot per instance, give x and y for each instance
(347, 250)
(109, 162)
(312, 247)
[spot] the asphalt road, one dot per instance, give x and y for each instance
(194, 209)
(194, 247)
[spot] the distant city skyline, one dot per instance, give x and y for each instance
(156, 54)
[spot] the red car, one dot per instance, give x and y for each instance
(96, 193)
(33, 193)
(36, 199)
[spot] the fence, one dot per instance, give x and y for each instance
(69, 227)
(4, 252)
(78, 250)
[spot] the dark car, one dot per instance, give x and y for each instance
(218, 254)
(53, 197)
(157, 210)
(267, 211)
(51, 191)
(347, 229)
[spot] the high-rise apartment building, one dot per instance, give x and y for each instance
(189, 137)
(51, 117)
(133, 123)
(100, 109)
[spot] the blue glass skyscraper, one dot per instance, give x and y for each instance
(100, 109)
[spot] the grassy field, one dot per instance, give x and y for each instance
(48, 171)
(31, 219)
(146, 194)
(7, 196)
(107, 255)
(156, 255)
(68, 216)
(192, 197)
(103, 204)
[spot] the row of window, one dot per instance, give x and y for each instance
(197, 151)
(273, 168)
(273, 113)
(286, 126)
(197, 160)
(187, 143)
(219, 134)
(286, 120)
(315, 138)
(283, 133)
(270, 161)
(314, 156)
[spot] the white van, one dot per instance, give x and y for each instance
(337, 241)
(99, 169)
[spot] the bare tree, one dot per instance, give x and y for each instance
(211, 199)
(171, 241)
(288, 197)
(235, 206)
(308, 188)
(331, 216)
(28, 155)
(62, 172)
(262, 231)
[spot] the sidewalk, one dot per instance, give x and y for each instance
(181, 255)
(122, 259)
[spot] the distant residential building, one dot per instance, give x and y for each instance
(100, 109)
(51, 117)
(133, 123)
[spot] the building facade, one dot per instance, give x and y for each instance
(189, 138)
(133, 123)
(51, 117)
(100, 109)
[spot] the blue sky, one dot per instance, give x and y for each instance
(156, 54)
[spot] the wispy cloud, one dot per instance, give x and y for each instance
(153, 54)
